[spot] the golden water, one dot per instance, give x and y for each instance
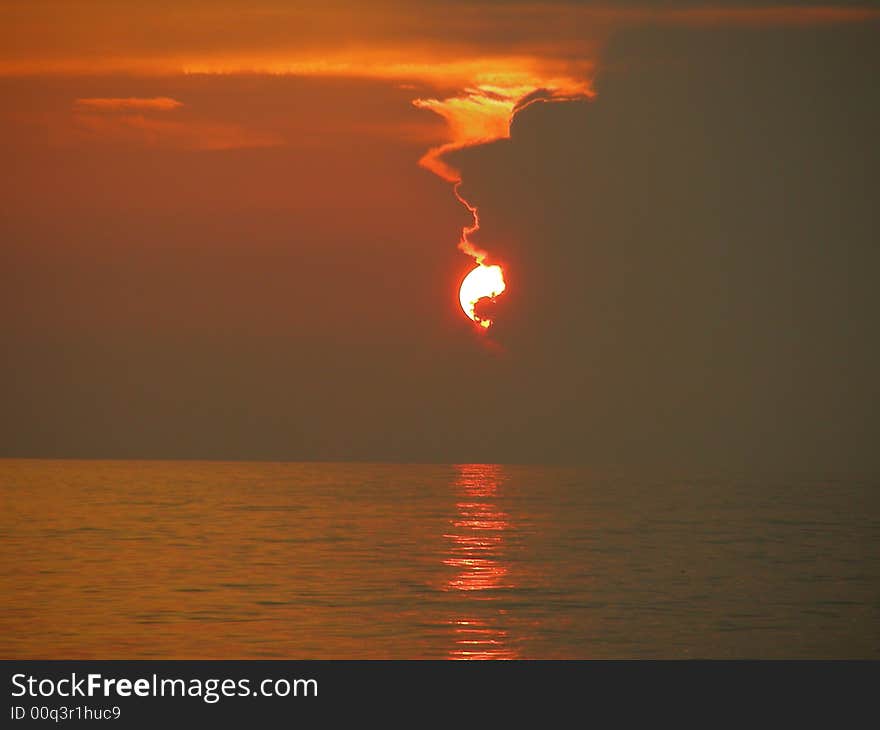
(126, 559)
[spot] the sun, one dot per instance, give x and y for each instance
(482, 282)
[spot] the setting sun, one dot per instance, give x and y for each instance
(482, 282)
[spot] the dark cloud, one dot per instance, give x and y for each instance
(691, 255)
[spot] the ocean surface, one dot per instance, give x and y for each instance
(151, 559)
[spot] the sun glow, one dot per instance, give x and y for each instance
(483, 282)
(479, 114)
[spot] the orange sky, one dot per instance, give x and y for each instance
(468, 62)
(190, 183)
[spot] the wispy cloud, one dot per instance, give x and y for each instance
(158, 103)
(191, 135)
(128, 120)
(402, 41)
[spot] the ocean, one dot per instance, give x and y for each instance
(241, 560)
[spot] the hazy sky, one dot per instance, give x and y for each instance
(218, 242)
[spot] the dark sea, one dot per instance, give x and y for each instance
(237, 560)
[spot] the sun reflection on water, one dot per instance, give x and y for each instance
(476, 552)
